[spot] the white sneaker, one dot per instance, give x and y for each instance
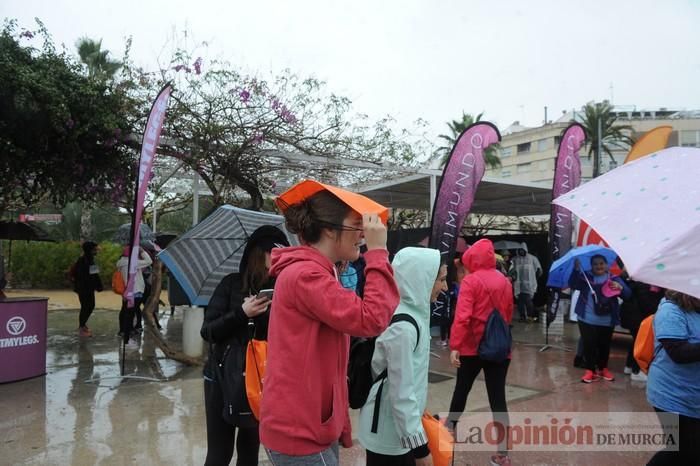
(132, 344)
(444, 343)
(639, 377)
(628, 370)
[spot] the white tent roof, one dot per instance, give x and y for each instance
(493, 196)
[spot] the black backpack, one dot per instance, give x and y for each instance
(360, 379)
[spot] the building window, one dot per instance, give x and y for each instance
(690, 138)
(505, 173)
(556, 141)
(524, 148)
(523, 168)
(506, 151)
(542, 145)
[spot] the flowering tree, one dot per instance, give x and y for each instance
(234, 130)
(61, 133)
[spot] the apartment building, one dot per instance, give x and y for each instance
(528, 154)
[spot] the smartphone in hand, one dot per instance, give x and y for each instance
(265, 294)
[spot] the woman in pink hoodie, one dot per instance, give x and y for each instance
(304, 411)
(483, 289)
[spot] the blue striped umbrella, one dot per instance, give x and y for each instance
(203, 256)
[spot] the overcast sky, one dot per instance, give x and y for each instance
(423, 59)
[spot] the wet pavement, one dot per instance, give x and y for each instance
(83, 413)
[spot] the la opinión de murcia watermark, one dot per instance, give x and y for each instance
(570, 431)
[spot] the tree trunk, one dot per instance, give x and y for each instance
(596, 163)
(148, 312)
(85, 223)
(256, 198)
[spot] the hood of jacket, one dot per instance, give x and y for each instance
(481, 256)
(284, 257)
(415, 271)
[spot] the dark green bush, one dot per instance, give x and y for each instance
(46, 265)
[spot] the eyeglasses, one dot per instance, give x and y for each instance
(340, 227)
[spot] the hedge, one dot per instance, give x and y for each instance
(46, 265)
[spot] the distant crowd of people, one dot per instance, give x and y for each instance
(308, 301)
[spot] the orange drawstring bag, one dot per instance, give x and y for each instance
(440, 440)
(644, 344)
(255, 363)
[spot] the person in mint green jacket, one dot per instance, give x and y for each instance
(403, 351)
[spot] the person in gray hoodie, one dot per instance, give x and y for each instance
(395, 435)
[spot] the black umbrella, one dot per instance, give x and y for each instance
(163, 239)
(19, 231)
(123, 235)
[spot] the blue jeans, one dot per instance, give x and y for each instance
(328, 457)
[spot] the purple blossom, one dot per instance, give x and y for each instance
(27, 34)
(287, 115)
(244, 95)
(258, 138)
(70, 123)
(275, 104)
(198, 65)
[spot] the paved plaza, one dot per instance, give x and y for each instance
(83, 413)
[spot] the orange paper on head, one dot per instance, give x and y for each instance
(357, 202)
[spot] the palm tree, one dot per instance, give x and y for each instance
(456, 128)
(599, 121)
(97, 60)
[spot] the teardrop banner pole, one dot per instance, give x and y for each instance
(567, 176)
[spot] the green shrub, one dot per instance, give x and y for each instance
(46, 265)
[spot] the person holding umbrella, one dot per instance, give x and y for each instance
(304, 412)
(233, 313)
(87, 281)
(598, 311)
(128, 314)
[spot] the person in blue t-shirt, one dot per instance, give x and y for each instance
(674, 375)
(598, 312)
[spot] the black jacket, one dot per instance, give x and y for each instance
(641, 304)
(226, 328)
(85, 282)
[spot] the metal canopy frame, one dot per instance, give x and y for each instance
(494, 196)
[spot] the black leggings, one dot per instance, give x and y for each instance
(220, 434)
(495, 377)
(688, 443)
(377, 459)
(126, 317)
(87, 305)
(596, 345)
